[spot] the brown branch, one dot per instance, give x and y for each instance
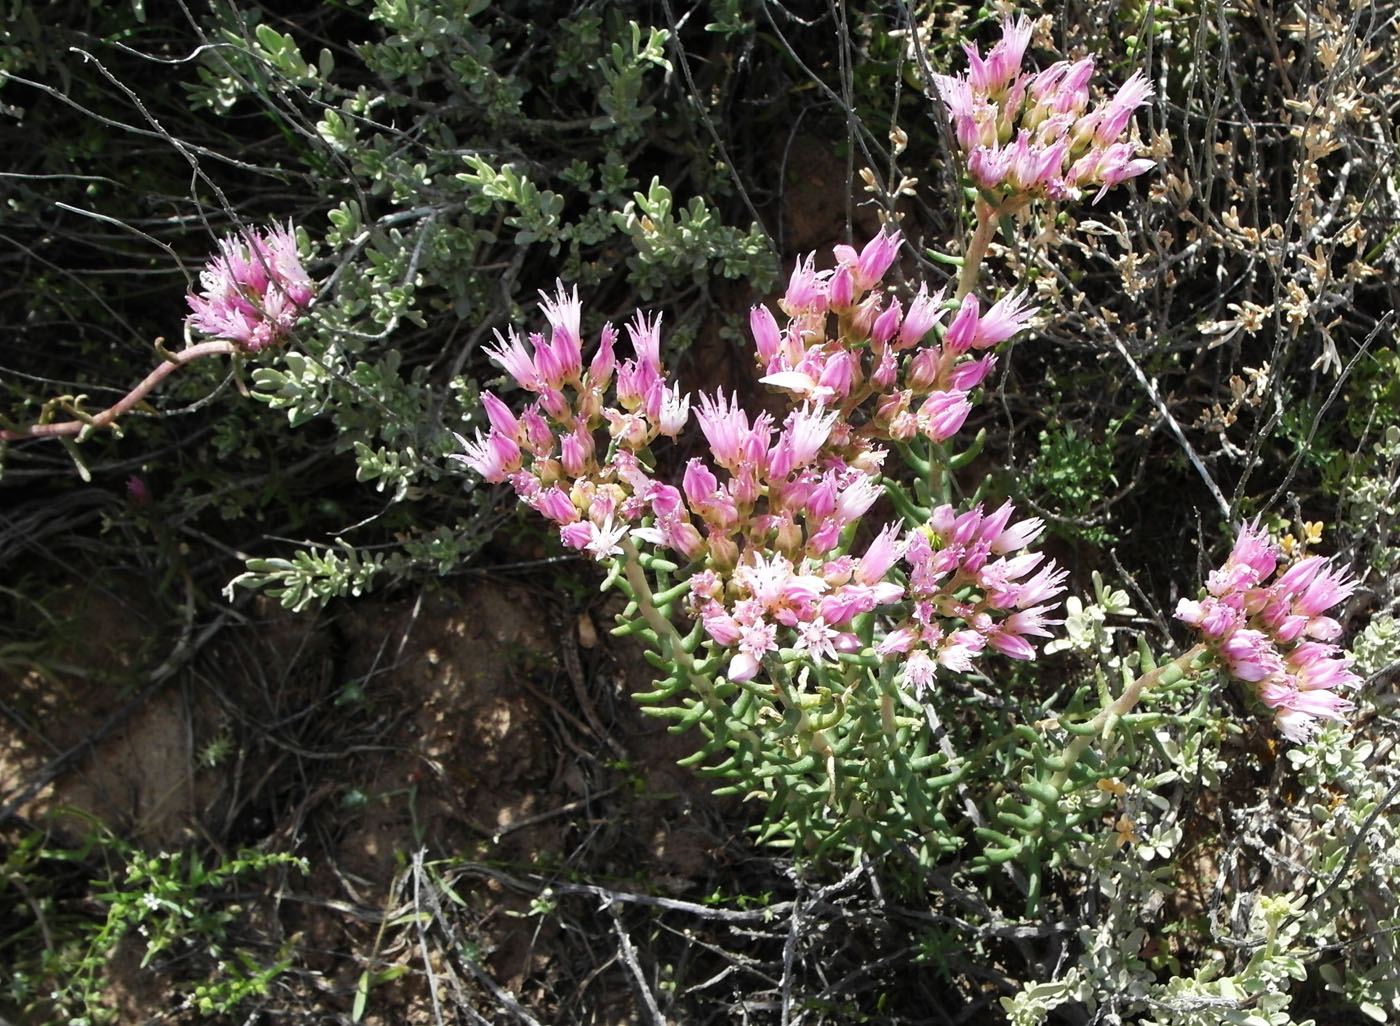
(107, 416)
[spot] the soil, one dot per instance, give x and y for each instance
(487, 721)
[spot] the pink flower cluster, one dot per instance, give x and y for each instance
(969, 570)
(550, 452)
(763, 524)
(1275, 636)
(1030, 133)
(880, 354)
(254, 289)
(950, 589)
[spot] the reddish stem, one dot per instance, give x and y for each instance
(105, 418)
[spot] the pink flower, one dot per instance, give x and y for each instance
(804, 432)
(806, 290)
(1026, 134)
(1007, 316)
(563, 312)
(510, 353)
(875, 259)
(255, 289)
(1114, 117)
(925, 311)
(882, 554)
(1003, 61)
(1046, 584)
(726, 427)
(667, 408)
(943, 413)
(1273, 636)
(919, 671)
(495, 457)
(604, 361)
(817, 637)
(600, 542)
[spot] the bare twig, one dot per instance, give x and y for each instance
(629, 959)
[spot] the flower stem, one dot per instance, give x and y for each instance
(988, 217)
(1109, 715)
(107, 416)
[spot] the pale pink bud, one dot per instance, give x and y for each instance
(897, 642)
(498, 413)
(600, 370)
(556, 504)
(766, 336)
(539, 438)
(742, 667)
(724, 552)
(575, 451)
(699, 482)
(841, 290)
(886, 369)
(924, 369)
(887, 323)
(836, 377)
(864, 316)
(1323, 628)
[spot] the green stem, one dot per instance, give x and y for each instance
(672, 643)
(1167, 673)
(988, 217)
(664, 628)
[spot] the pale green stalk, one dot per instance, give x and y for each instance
(1102, 725)
(988, 217)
